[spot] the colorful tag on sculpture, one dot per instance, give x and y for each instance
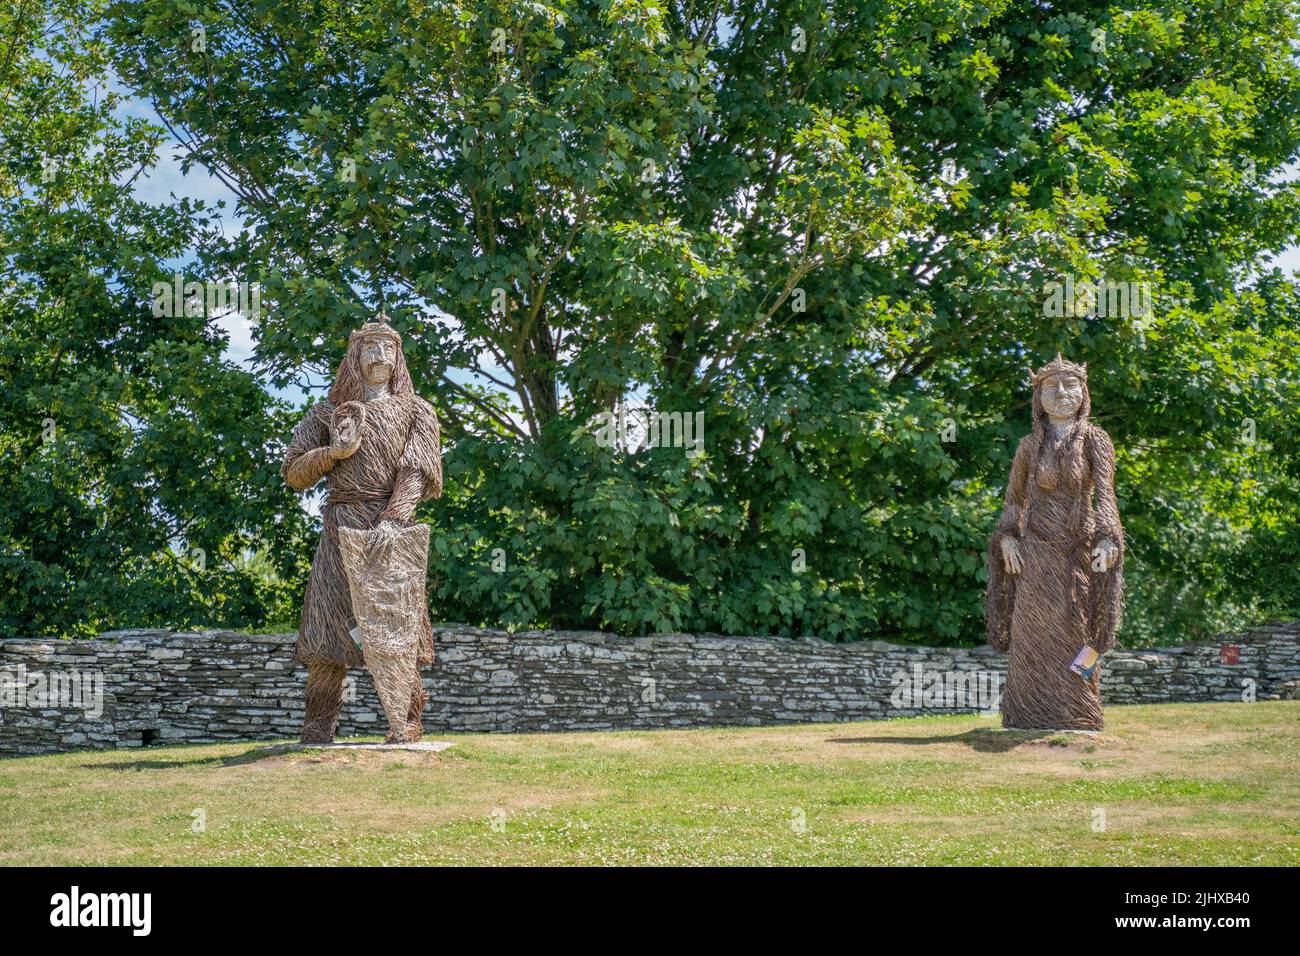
(356, 635)
(1085, 662)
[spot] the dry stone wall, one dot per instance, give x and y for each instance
(144, 687)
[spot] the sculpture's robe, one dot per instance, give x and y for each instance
(1057, 604)
(397, 465)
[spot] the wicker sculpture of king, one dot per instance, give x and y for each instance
(377, 445)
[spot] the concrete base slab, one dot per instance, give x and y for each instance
(424, 746)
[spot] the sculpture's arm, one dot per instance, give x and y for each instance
(1013, 506)
(1106, 591)
(309, 456)
(1102, 454)
(419, 470)
(1001, 597)
(424, 449)
(407, 491)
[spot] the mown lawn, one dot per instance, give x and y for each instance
(1178, 784)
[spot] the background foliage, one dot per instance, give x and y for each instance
(138, 479)
(656, 186)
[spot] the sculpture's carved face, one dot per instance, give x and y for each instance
(378, 356)
(1062, 395)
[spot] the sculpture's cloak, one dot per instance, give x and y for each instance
(398, 433)
(1057, 604)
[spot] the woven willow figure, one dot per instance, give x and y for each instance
(1055, 561)
(377, 446)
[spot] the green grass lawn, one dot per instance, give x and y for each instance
(1177, 784)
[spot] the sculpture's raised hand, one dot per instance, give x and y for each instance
(342, 448)
(345, 430)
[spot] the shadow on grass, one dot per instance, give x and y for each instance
(248, 756)
(155, 764)
(261, 753)
(984, 739)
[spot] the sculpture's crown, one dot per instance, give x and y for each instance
(376, 328)
(1056, 366)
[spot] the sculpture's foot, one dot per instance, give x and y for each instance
(319, 730)
(324, 699)
(405, 734)
(397, 736)
(414, 716)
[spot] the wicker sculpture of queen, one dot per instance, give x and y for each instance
(1055, 561)
(377, 444)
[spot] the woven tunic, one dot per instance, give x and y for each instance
(399, 452)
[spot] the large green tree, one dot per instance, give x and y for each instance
(138, 483)
(825, 224)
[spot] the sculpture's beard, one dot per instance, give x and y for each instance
(1064, 409)
(375, 378)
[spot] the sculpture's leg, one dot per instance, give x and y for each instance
(324, 701)
(414, 716)
(394, 674)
